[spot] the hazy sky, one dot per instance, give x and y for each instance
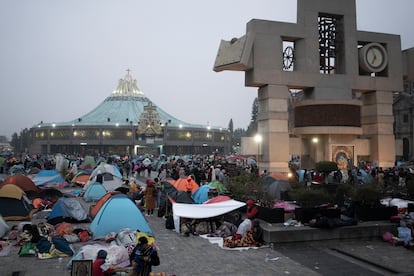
(60, 59)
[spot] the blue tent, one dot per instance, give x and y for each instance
(67, 209)
(201, 195)
(47, 177)
(117, 213)
(94, 192)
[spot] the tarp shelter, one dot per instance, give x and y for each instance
(202, 211)
(166, 190)
(45, 177)
(182, 197)
(111, 177)
(14, 204)
(94, 192)
(67, 209)
(118, 212)
(4, 227)
(24, 182)
(94, 209)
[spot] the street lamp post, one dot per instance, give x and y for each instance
(258, 140)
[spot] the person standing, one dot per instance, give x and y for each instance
(157, 190)
(150, 203)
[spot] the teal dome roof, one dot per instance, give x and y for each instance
(122, 107)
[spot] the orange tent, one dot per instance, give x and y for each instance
(186, 184)
(278, 176)
(81, 179)
(22, 181)
(94, 209)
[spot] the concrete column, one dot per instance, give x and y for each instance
(377, 124)
(273, 126)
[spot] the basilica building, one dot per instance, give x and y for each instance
(127, 122)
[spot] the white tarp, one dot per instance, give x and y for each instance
(201, 211)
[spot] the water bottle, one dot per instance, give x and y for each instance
(59, 264)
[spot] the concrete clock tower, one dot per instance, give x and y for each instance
(325, 89)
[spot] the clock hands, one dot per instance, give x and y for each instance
(374, 57)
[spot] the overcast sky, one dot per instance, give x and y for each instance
(60, 59)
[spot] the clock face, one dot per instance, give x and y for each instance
(373, 58)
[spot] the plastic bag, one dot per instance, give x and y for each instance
(27, 249)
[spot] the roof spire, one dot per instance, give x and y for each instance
(127, 86)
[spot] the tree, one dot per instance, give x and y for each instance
(231, 125)
(20, 142)
(15, 142)
(238, 133)
(252, 128)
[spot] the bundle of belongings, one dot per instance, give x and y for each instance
(118, 246)
(248, 234)
(40, 240)
(405, 232)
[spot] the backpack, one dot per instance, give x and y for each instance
(169, 222)
(155, 259)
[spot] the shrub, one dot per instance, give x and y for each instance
(367, 195)
(326, 166)
(246, 185)
(309, 198)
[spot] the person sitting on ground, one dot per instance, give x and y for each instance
(257, 232)
(140, 258)
(99, 267)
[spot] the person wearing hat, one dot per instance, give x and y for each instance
(251, 210)
(99, 268)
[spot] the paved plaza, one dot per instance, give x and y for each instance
(194, 255)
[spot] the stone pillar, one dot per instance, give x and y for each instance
(377, 124)
(273, 126)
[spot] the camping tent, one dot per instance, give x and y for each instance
(24, 183)
(88, 162)
(14, 204)
(275, 188)
(45, 177)
(184, 183)
(218, 186)
(201, 195)
(67, 209)
(111, 177)
(94, 192)
(94, 209)
(118, 212)
(81, 178)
